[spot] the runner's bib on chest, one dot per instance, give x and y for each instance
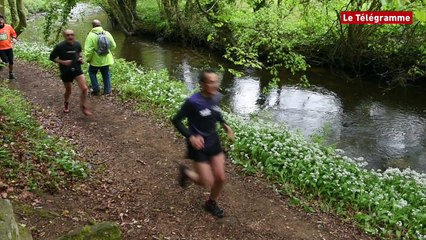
(4, 36)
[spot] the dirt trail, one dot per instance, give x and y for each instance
(135, 157)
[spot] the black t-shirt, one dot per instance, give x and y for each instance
(66, 51)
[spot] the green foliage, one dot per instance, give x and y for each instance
(389, 204)
(152, 89)
(153, 21)
(57, 18)
(177, 19)
(29, 155)
(275, 42)
(36, 6)
(395, 52)
(291, 34)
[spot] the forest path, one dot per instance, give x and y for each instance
(136, 158)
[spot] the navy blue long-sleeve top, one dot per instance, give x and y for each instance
(203, 114)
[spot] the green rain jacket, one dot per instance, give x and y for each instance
(91, 46)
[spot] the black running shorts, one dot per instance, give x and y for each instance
(7, 56)
(214, 148)
(69, 76)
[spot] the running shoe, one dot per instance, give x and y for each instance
(12, 76)
(183, 179)
(66, 107)
(212, 207)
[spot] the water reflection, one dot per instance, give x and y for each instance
(188, 75)
(307, 110)
(245, 93)
(394, 137)
(129, 49)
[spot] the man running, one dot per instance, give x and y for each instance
(97, 50)
(204, 147)
(7, 37)
(68, 55)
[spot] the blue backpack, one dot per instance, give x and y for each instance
(104, 44)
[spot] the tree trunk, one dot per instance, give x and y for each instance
(2, 8)
(171, 11)
(124, 13)
(189, 7)
(13, 13)
(21, 15)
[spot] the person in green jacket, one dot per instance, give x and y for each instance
(97, 50)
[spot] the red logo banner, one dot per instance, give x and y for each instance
(385, 17)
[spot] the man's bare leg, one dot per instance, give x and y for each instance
(83, 98)
(218, 168)
(217, 165)
(67, 94)
(202, 174)
(211, 175)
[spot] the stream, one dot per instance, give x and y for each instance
(387, 127)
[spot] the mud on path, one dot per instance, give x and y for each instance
(134, 160)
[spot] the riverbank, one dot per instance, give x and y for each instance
(133, 159)
(292, 36)
(388, 204)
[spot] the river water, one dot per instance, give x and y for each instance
(386, 127)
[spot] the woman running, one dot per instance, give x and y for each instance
(204, 148)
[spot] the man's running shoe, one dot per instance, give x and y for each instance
(212, 207)
(66, 107)
(183, 179)
(12, 76)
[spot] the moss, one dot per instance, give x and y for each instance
(9, 228)
(101, 231)
(24, 233)
(29, 211)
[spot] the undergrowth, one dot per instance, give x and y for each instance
(30, 158)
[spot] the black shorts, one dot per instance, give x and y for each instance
(69, 76)
(7, 56)
(204, 155)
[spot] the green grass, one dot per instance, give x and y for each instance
(390, 204)
(32, 159)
